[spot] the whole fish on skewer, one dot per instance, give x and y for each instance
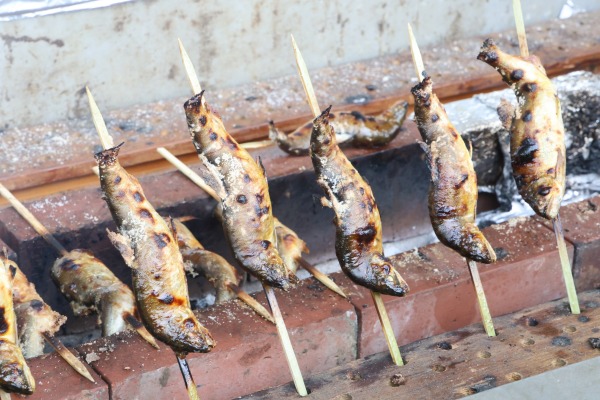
(537, 143)
(148, 245)
(350, 127)
(15, 376)
(453, 188)
(242, 187)
(358, 242)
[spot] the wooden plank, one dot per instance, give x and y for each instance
(466, 361)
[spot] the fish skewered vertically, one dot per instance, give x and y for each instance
(242, 187)
(350, 127)
(537, 143)
(15, 376)
(149, 247)
(358, 242)
(453, 186)
(240, 184)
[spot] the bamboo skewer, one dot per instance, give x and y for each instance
(557, 225)
(486, 317)
(107, 142)
(197, 179)
(4, 395)
(388, 332)
(188, 379)
(517, 10)
(251, 301)
(288, 350)
(68, 356)
(60, 348)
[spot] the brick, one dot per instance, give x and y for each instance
(248, 356)
(442, 297)
(581, 224)
(55, 379)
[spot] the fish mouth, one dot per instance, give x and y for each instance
(549, 206)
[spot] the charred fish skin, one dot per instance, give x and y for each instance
(211, 265)
(15, 376)
(34, 316)
(362, 130)
(358, 243)
(537, 143)
(242, 186)
(149, 247)
(453, 187)
(92, 287)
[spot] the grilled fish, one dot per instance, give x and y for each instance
(358, 244)
(350, 127)
(537, 143)
(242, 186)
(148, 245)
(453, 187)
(92, 287)
(15, 375)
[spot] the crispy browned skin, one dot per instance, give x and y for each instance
(537, 143)
(211, 265)
(92, 287)
(15, 375)
(358, 243)
(242, 186)
(34, 316)
(149, 247)
(453, 188)
(289, 245)
(350, 127)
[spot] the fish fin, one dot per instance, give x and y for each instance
(470, 149)
(506, 112)
(262, 167)
(123, 244)
(212, 177)
(560, 165)
(428, 157)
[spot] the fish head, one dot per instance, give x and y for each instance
(388, 280)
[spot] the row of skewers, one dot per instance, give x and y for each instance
(159, 250)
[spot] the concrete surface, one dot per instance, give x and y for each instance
(128, 54)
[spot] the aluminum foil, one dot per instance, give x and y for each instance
(11, 10)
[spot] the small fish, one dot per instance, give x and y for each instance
(241, 183)
(34, 317)
(350, 127)
(148, 245)
(15, 375)
(453, 187)
(92, 287)
(358, 244)
(537, 142)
